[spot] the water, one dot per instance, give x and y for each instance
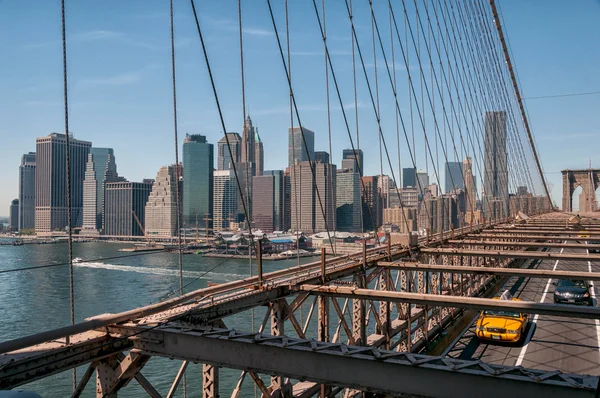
(37, 300)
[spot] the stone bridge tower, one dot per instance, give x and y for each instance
(588, 180)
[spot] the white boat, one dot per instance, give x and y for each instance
(77, 260)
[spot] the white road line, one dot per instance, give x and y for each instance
(593, 293)
(535, 318)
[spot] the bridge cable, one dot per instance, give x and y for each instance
(178, 169)
(347, 124)
(68, 170)
(310, 162)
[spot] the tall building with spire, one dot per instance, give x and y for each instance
(259, 154)
(248, 141)
(469, 180)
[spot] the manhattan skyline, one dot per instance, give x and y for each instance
(123, 101)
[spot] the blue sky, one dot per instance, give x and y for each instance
(120, 93)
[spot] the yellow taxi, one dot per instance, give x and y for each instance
(583, 234)
(500, 325)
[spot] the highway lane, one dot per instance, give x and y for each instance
(552, 343)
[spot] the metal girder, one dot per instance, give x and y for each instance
(365, 368)
(529, 273)
(210, 381)
(24, 367)
(513, 254)
(536, 238)
(523, 244)
(530, 307)
(535, 231)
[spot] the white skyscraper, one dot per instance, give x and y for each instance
(225, 199)
(161, 209)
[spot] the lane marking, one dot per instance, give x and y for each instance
(593, 293)
(535, 318)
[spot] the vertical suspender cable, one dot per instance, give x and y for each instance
(68, 172)
(177, 168)
(243, 81)
(332, 206)
(399, 183)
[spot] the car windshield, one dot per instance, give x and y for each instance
(571, 283)
(508, 314)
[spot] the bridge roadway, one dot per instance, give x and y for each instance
(552, 343)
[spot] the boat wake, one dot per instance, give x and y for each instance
(160, 271)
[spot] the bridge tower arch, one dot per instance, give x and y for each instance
(588, 180)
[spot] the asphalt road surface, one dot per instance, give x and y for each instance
(552, 343)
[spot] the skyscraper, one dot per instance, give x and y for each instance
(306, 211)
(198, 169)
(100, 169)
(51, 182)
(297, 150)
(27, 191)
(371, 203)
(281, 199)
(454, 177)
(259, 154)
(348, 204)
(224, 160)
(161, 208)
(409, 177)
(225, 199)
(495, 179)
(352, 160)
(384, 185)
(321, 156)
(264, 206)
(13, 219)
(422, 181)
(248, 141)
(125, 206)
(470, 193)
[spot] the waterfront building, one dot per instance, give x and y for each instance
(161, 208)
(27, 191)
(13, 219)
(51, 182)
(125, 207)
(100, 169)
(225, 200)
(306, 211)
(225, 161)
(348, 204)
(198, 167)
(301, 145)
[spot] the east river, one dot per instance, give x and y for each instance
(36, 300)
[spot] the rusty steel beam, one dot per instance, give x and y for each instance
(521, 272)
(471, 242)
(529, 307)
(365, 368)
(544, 232)
(512, 254)
(526, 237)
